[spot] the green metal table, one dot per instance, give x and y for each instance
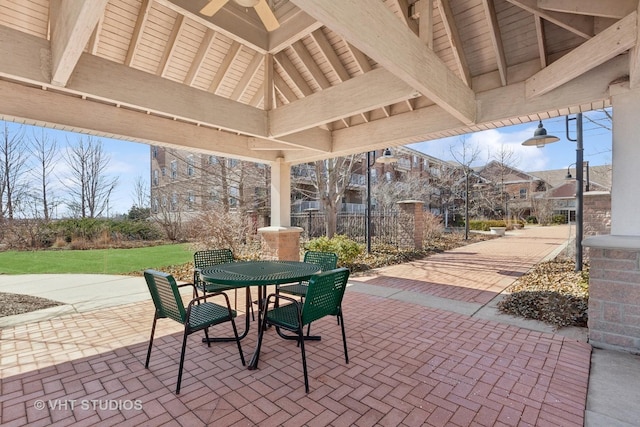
(242, 274)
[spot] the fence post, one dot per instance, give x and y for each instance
(410, 224)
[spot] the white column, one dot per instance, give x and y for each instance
(625, 203)
(280, 194)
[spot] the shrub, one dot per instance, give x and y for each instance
(346, 249)
(485, 225)
(532, 219)
(559, 219)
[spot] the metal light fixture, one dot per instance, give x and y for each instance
(540, 137)
(387, 157)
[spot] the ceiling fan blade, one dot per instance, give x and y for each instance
(212, 7)
(266, 15)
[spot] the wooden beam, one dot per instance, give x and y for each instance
(298, 26)
(424, 8)
(617, 9)
(634, 59)
(579, 25)
(247, 77)
(287, 66)
(451, 29)
(72, 23)
(399, 51)
(34, 106)
(496, 39)
(606, 45)
(314, 69)
(330, 55)
(346, 99)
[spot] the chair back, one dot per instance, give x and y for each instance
(209, 257)
(166, 296)
(324, 295)
(326, 260)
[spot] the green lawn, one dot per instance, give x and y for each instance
(106, 261)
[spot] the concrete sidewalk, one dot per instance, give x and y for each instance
(468, 281)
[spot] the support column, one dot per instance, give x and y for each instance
(280, 241)
(411, 224)
(614, 279)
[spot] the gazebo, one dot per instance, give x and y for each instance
(291, 81)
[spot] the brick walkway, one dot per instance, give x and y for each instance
(409, 364)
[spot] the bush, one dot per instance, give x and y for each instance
(532, 219)
(559, 219)
(346, 249)
(485, 225)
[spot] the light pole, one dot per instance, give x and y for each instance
(540, 139)
(387, 157)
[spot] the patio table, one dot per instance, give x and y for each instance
(242, 274)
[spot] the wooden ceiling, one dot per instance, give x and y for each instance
(336, 77)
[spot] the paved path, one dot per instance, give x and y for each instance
(425, 344)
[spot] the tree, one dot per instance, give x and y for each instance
(13, 163)
(140, 193)
(44, 150)
(333, 176)
(506, 160)
(465, 155)
(89, 185)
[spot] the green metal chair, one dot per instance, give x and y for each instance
(197, 316)
(208, 258)
(326, 261)
(323, 298)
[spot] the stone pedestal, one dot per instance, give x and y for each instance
(410, 224)
(614, 292)
(280, 243)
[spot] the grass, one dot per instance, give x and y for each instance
(105, 261)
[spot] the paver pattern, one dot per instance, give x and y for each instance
(409, 364)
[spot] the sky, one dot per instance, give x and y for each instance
(130, 160)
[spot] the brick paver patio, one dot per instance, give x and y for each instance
(409, 364)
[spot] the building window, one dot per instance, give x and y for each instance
(191, 165)
(154, 151)
(523, 193)
(191, 199)
(155, 205)
(213, 160)
(174, 201)
(232, 163)
(234, 194)
(164, 170)
(174, 169)
(156, 179)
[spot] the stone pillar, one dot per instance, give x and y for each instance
(410, 224)
(280, 243)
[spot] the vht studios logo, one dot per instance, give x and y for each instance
(87, 404)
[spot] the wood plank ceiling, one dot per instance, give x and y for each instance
(336, 77)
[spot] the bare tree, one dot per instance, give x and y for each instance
(329, 179)
(465, 155)
(89, 185)
(44, 150)
(13, 164)
(140, 193)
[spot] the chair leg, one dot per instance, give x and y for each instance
(153, 330)
(262, 323)
(184, 346)
(235, 333)
(206, 337)
(344, 337)
(304, 359)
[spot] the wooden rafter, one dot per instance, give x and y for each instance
(449, 23)
(138, 30)
(226, 63)
(399, 51)
(609, 43)
(616, 9)
(290, 69)
(496, 39)
(207, 41)
(170, 46)
(579, 25)
(312, 67)
(72, 24)
(247, 76)
(542, 48)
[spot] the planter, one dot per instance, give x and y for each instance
(498, 230)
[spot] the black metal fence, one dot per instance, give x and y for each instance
(384, 225)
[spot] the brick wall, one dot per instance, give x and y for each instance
(597, 213)
(614, 298)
